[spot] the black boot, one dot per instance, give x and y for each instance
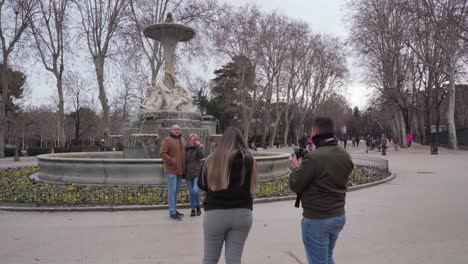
(198, 211)
(192, 213)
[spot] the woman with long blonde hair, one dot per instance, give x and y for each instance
(229, 177)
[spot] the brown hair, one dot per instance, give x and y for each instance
(218, 164)
(193, 135)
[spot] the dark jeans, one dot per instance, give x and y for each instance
(319, 237)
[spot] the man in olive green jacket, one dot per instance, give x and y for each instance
(320, 181)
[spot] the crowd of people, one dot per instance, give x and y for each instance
(381, 143)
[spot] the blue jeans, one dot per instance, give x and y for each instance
(319, 237)
(173, 185)
(194, 192)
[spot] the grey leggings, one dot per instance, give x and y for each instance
(229, 226)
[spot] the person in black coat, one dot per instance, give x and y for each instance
(229, 178)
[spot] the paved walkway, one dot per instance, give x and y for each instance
(420, 217)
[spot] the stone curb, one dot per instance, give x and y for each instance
(160, 207)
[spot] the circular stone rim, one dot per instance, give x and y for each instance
(153, 31)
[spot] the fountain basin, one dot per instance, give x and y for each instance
(110, 168)
(174, 31)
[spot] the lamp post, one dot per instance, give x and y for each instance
(16, 111)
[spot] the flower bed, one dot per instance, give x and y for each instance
(18, 189)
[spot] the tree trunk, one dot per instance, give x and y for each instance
(77, 125)
(418, 124)
(406, 119)
(427, 124)
(396, 126)
(403, 129)
(246, 117)
(99, 65)
(61, 113)
(287, 121)
(437, 124)
(3, 122)
(154, 75)
(264, 136)
(452, 132)
(274, 131)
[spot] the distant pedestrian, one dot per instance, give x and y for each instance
(368, 143)
(409, 138)
(119, 146)
(68, 146)
(309, 144)
(253, 146)
(303, 141)
(396, 140)
(50, 148)
(102, 145)
(383, 144)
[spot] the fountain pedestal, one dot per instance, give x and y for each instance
(160, 122)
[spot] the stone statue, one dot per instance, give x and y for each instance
(153, 98)
(168, 94)
(169, 18)
(161, 97)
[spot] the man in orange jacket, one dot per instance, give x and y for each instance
(172, 151)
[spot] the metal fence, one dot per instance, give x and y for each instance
(368, 169)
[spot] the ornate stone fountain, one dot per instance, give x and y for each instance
(166, 103)
(168, 94)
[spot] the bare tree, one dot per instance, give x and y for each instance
(448, 21)
(100, 21)
(380, 31)
(297, 71)
(274, 37)
(129, 95)
(240, 43)
(10, 33)
(49, 35)
(76, 91)
(42, 123)
(316, 69)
